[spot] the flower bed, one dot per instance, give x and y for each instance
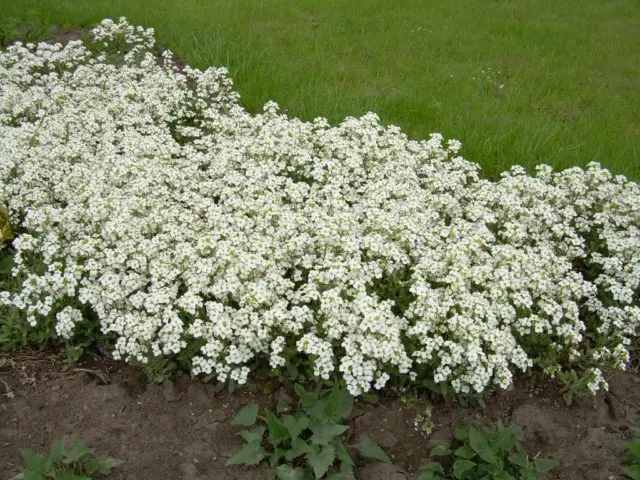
(146, 199)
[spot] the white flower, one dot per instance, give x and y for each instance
(153, 198)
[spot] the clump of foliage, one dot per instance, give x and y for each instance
(632, 458)
(484, 454)
(307, 444)
(76, 463)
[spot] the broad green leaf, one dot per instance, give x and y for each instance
(321, 459)
(296, 425)
(286, 472)
(461, 434)
(370, 449)
(298, 447)
(465, 452)
(440, 448)
(516, 431)
(277, 431)
(461, 466)
(253, 435)
(102, 465)
(77, 452)
(518, 458)
(249, 454)
(338, 405)
(544, 464)
(247, 416)
(478, 442)
(323, 434)
(35, 462)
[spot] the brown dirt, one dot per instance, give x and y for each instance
(180, 430)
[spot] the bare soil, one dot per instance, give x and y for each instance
(180, 430)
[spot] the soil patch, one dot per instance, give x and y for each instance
(180, 430)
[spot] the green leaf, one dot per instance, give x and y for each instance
(250, 454)
(461, 466)
(339, 405)
(35, 462)
(298, 447)
(307, 399)
(277, 431)
(518, 458)
(253, 435)
(461, 434)
(465, 452)
(543, 465)
(286, 472)
(323, 434)
(57, 452)
(634, 451)
(478, 442)
(247, 416)
(296, 425)
(343, 455)
(568, 398)
(633, 472)
(31, 475)
(77, 452)
(433, 471)
(440, 448)
(321, 459)
(102, 465)
(370, 449)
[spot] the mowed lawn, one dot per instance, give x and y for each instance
(518, 82)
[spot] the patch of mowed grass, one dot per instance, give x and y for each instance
(523, 82)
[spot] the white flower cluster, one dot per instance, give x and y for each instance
(66, 319)
(154, 199)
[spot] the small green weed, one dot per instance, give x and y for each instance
(632, 458)
(303, 445)
(484, 454)
(573, 386)
(76, 463)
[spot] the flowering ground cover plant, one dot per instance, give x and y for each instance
(148, 204)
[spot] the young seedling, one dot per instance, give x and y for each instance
(76, 463)
(306, 444)
(484, 454)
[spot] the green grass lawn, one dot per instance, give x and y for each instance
(518, 82)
